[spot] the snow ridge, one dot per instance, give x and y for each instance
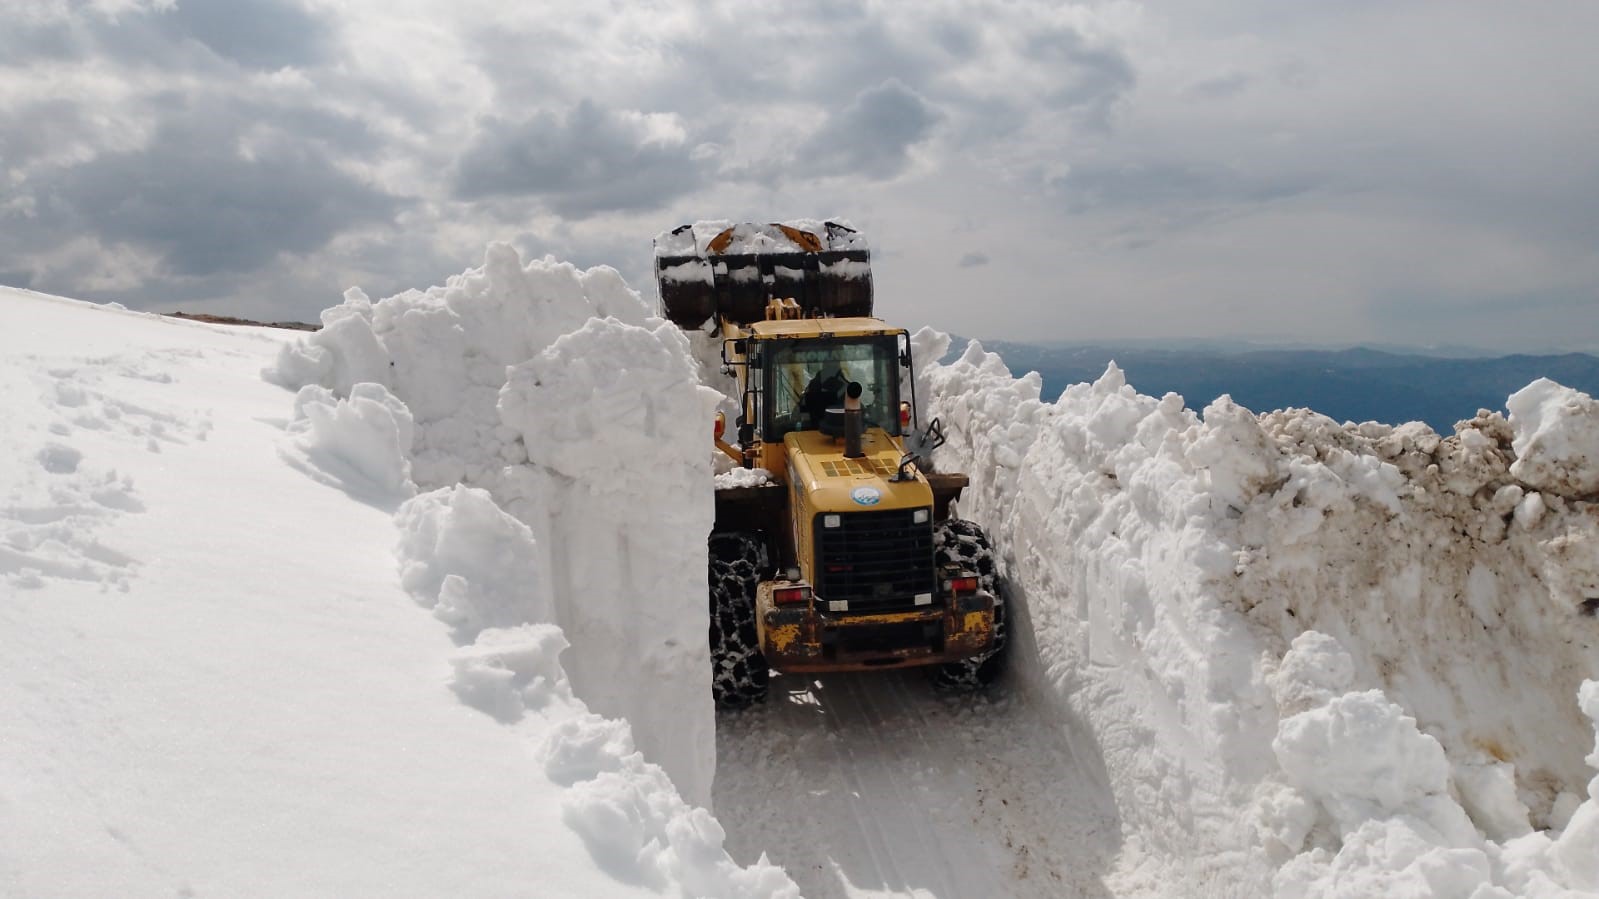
(1167, 563)
(560, 437)
(464, 557)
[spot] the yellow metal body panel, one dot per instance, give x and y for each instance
(820, 327)
(821, 480)
(803, 639)
(817, 463)
(783, 638)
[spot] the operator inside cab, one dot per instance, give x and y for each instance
(807, 378)
(825, 391)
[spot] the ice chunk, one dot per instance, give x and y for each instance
(469, 561)
(1556, 438)
(359, 444)
(1314, 671)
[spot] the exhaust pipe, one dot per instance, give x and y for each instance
(853, 424)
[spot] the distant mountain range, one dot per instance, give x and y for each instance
(1348, 385)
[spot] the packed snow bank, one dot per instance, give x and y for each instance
(552, 389)
(358, 443)
(1557, 438)
(469, 561)
(213, 683)
(1168, 562)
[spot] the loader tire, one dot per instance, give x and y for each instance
(738, 669)
(963, 543)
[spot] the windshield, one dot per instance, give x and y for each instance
(806, 377)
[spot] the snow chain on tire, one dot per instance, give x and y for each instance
(738, 669)
(962, 543)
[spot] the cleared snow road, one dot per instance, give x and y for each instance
(874, 784)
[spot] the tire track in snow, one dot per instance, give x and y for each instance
(841, 738)
(969, 876)
(873, 784)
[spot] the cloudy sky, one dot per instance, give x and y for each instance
(1404, 172)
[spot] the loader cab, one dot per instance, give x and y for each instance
(803, 377)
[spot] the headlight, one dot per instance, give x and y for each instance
(832, 521)
(920, 516)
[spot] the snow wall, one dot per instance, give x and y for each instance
(1316, 659)
(553, 392)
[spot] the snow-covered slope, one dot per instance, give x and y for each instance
(1317, 659)
(215, 677)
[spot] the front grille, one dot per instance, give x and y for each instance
(877, 561)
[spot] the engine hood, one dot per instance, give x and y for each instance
(835, 484)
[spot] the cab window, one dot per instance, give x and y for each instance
(803, 378)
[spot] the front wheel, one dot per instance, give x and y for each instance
(738, 668)
(963, 544)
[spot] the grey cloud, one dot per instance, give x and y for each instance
(828, 51)
(872, 136)
(1093, 186)
(263, 34)
(515, 72)
(22, 42)
(334, 131)
(973, 260)
(1092, 78)
(40, 129)
(192, 197)
(587, 161)
(959, 39)
(1220, 87)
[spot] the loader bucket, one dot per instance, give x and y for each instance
(733, 272)
(687, 285)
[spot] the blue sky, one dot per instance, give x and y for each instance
(1404, 172)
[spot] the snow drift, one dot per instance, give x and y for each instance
(1318, 659)
(214, 678)
(468, 560)
(559, 437)
(552, 389)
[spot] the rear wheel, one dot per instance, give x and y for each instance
(963, 544)
(738, 669)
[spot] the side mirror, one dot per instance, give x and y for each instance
(907, 468)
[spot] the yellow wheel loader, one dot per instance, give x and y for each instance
(847, 557)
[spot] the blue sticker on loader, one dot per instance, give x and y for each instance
(866, 496)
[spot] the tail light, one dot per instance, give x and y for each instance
(961, 585)
(788, 596)
(904, 415)
(721, 425)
